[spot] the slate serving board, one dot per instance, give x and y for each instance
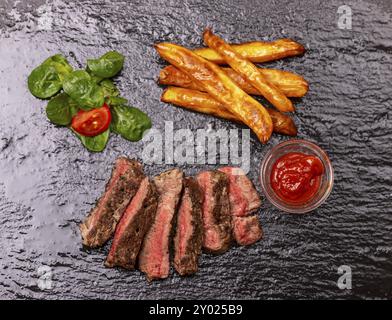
(48, 181)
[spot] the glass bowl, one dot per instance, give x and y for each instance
(303, 146)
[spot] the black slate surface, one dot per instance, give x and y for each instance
(48, 181)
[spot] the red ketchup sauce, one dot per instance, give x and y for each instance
(296, 177)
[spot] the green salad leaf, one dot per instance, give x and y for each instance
(96, 143)
(109, 88)
(95, 78)
(129, 122)
(60, 63)
(44, 81)
(59, 110)
(74, 109)
(115, 101)
(81, 88)
(106, 66)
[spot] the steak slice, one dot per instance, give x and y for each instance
(243, 196)
(189, 229)
(244, 200)
(133, 226)
(247, 230)
(154, 255)
(216, 211)
(100, 224)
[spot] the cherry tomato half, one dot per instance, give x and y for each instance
(93, 122)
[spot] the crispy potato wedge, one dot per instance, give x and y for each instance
(249, 71)
(291, 84)
(283, 124)
(202, 102)
(220, 87)
(257, 51)
(196, 101)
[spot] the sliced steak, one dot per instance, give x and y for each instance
(243, 196)
(247, 230)
(244, 200)
(154, 255)
(189, 229)
(216, 211)
(122, 186)
(133, 226)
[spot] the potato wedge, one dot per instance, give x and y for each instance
(220, 87)
(202, 102)
(249, 71)
(283, 124)
(196, 101)
(291, 84)
(257, 51)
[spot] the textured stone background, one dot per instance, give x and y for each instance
(48, 181)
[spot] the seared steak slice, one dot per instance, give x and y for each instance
(243, 196)
(247, 230)
(189, 229)
(154, 255)
(133, 226)
(102, 220)
(216, 211)
(244, 200)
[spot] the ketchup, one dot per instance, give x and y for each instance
(296, 177)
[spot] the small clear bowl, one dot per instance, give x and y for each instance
(303, 146)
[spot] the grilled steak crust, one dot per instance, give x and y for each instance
(243, 196)
(154, 255)
(244, 200)
(133, 226)
(247, 230)
(189, 229)
(216, 211)
(100, 224)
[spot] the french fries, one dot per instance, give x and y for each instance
(220, 86)
(257, 51)
(249, 71)
(204, 103)
(291, 84)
